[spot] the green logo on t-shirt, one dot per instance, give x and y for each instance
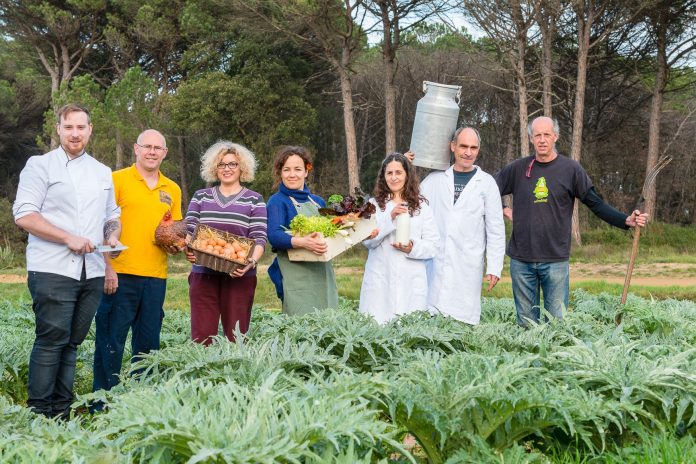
(541, 192)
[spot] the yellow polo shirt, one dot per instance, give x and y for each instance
(142, 209)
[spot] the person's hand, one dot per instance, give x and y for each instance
(240, 271)
(492, 281)
(410, 156)
(398, 209)
(190, 256)
(110, 281)
(79, 245)
(405, 248)
(315, 243)
(373, 234)
(173, 249)
(637, 219)
(113, 242)
(507, 213)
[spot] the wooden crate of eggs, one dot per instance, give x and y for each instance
(220, 250)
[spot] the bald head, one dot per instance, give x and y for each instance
(465, 148)
(150, 150)
(546, 121)
(469, 130)
(148, 133)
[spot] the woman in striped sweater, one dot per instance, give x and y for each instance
(231, 207)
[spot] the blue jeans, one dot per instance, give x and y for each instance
(529, 278)
(137, 304)
(64, 309)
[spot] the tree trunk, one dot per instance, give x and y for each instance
(547, 26)
(546, 73)
(183, 173)
(388, 56)
(119, 150)
(349, 127)
(579, 109)
(656, 115)
(55, 87)
(523, 116)
(521, 77)
(510, 146)
(389, 107)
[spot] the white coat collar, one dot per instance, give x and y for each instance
(449, 173)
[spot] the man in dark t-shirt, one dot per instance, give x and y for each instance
(544, 188)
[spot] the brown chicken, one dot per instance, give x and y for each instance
(170, 233)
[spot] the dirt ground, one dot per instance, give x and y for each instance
(655, 275)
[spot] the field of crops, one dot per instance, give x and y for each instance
(334, 387)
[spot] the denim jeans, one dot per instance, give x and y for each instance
(137, 304)
(529, 278)
(64, 309)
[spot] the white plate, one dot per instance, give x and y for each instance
(108, 248)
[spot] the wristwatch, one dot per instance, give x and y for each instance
(252, 260)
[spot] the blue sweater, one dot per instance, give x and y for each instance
(281, 210)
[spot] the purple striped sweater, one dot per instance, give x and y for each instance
(243, 214)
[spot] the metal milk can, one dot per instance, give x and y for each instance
(436, 120)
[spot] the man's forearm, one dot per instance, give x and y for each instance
(37, 225)
(604, 211)
(112, 229)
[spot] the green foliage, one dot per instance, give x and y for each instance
(681, 239)
(118, 113)
(334, 386)
(302, 225)
(261, 107)
(16, 325)
(11, 236)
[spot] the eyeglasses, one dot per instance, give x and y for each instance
(230, 165)
(159, 150)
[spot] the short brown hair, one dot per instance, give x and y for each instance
(282, 156)
(72, 108)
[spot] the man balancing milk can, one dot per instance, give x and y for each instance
(436, 120)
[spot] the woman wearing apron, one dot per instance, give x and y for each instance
(302, 286)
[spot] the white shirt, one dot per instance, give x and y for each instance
(75, 195)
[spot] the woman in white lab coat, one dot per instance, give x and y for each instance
(395, 280)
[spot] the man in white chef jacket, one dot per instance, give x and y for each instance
(468, 211)
(65, 200)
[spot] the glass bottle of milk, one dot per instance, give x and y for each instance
(403, 228)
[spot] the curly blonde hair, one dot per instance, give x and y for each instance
(213, 155)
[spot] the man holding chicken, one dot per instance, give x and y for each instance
(135, 284)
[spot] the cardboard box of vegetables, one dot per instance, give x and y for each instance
(345, 222)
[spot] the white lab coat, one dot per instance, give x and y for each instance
(395, 283)
(469, 230)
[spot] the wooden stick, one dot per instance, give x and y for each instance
(631, 263)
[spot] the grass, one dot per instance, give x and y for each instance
(660, 243)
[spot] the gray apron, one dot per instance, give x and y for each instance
(307, 285)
